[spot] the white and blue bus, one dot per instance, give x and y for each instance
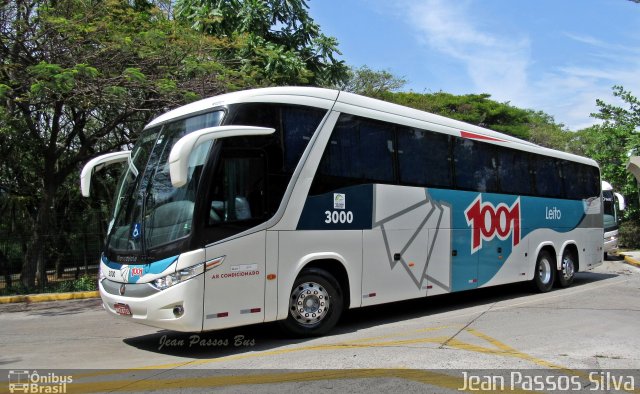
(293, 204)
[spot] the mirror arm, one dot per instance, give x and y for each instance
(96, 164)
(179, 156)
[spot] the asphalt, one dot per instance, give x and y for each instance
(630, 257)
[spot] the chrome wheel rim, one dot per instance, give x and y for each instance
(309, 303)
(568, 269)
(544, 271)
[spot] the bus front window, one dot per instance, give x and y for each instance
(149, 211)
(610, 212)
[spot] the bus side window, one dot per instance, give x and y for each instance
(359, 151)
(424, 158)
(514, 173)
(475, 165)
(238, 190)
(548, 178)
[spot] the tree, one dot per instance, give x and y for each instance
(371, 83)
(477, 109)
(613, 141)
(280, 40)
(79, 78)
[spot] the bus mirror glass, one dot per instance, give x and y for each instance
(96, 164)
(179, 157)
(620, 200)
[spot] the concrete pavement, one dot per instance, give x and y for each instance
(630, 257)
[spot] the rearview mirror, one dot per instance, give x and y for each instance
(96, 164)
(620, 199)
(179, 156)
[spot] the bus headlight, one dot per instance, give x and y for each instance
(178, 277)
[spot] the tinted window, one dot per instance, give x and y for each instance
(575, 183)
(294, 126)
(240, 194)
(593, 182)
(548, 178)
(580, 181)
(359, 151)
(513, 172)
(252, 172)
(424, 158)
(475, 165)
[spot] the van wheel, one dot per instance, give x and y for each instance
(568, 271)
(545, 272)
(315, 304)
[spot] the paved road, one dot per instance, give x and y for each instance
(591, 326)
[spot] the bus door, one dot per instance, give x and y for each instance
(234, 287)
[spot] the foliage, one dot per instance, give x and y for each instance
(477, 109)
(84, 283)
(611, 142)
(81, 77)
(544, 131)
(371, 83)
(279, 40)
(630, 234)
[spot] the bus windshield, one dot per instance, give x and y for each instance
(610, 212)
(148, 210)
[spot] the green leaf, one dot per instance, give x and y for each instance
(133, 74)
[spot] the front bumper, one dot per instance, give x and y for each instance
(610, 244)
(157, 308)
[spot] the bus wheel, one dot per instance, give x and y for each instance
(568, 272)
(315, 304)
(545, 272)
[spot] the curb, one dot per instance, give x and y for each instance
(49, 297)
(630, 260)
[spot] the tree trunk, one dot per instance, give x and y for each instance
(34, 261)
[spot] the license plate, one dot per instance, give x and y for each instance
(122, 309)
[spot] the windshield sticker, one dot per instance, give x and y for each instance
(339, 201)
(135, 233)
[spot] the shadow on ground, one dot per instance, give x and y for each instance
(269, 336)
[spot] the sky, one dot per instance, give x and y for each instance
(557, 56)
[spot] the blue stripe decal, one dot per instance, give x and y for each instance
(136, 271)
(514, 218)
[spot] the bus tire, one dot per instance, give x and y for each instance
(544, 274)
(568, 270)
(315, 304)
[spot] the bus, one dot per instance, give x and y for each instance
(612, 205)
(293, 204)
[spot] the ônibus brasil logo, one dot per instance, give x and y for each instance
(487, 222)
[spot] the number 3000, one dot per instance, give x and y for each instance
(338, 217)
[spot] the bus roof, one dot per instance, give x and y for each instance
(350, 103)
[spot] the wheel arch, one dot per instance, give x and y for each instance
(549, 247)
(337, 269)
(333, 263)
(572, 247)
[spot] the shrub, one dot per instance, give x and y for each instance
(84, 283)
(630, 235)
